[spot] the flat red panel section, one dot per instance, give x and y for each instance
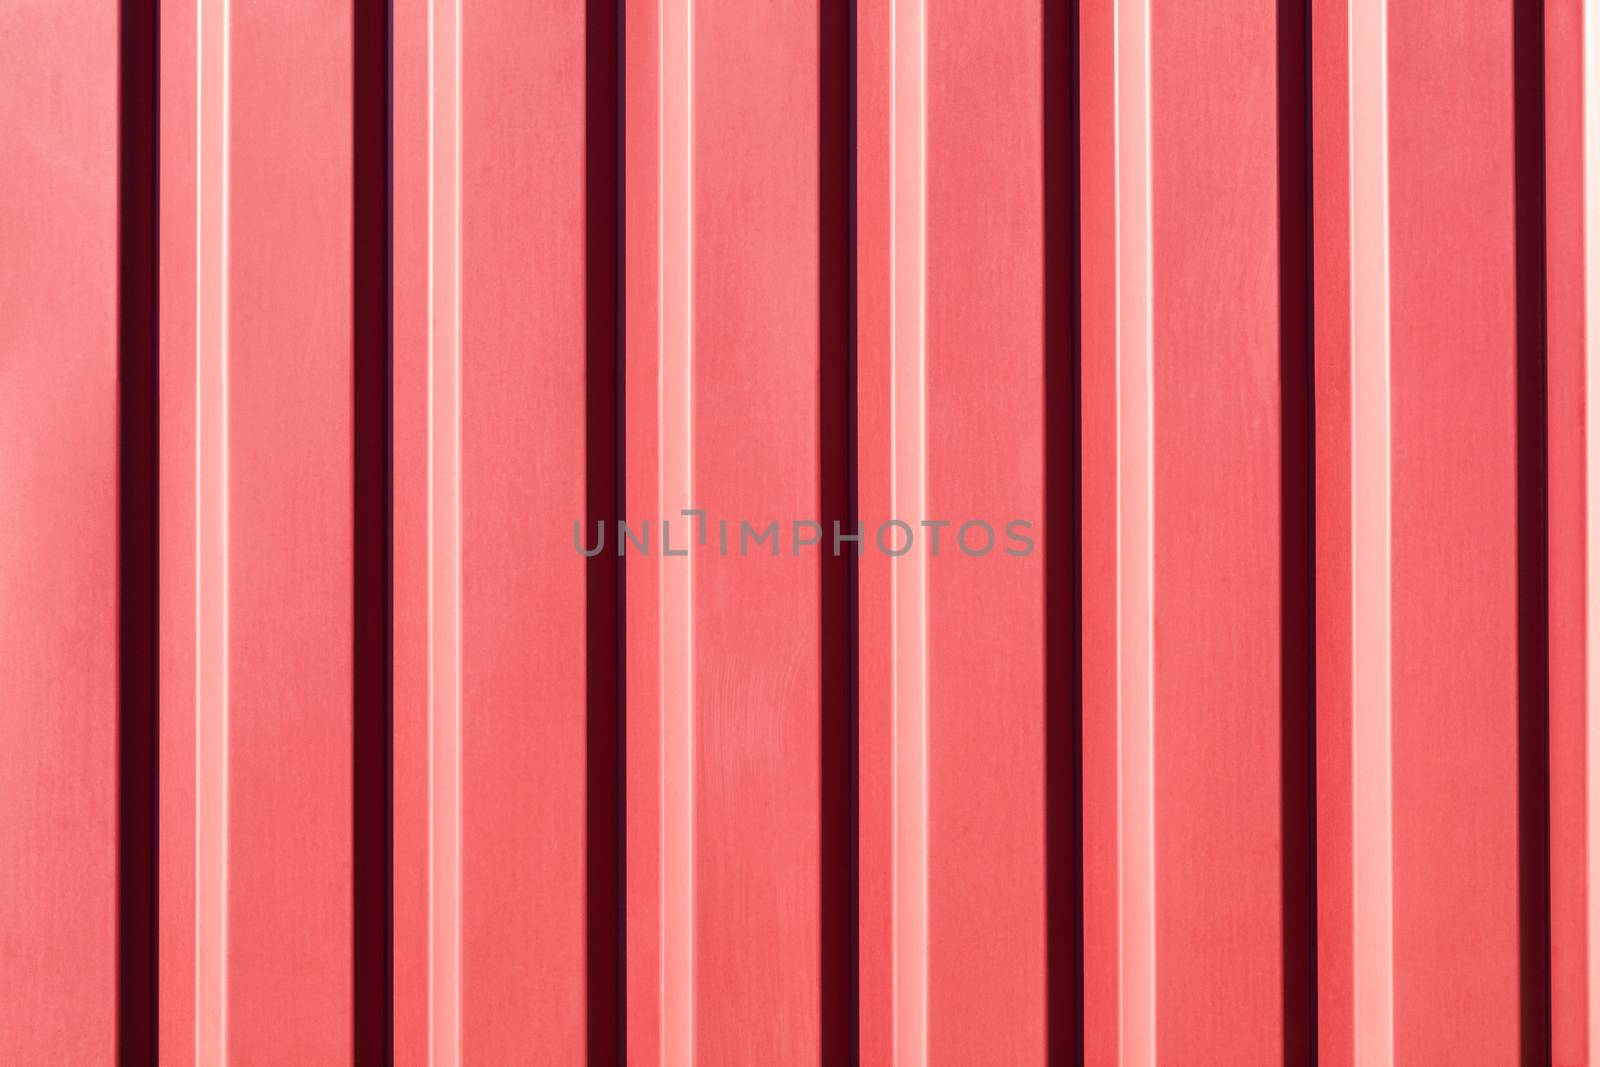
(878, 989)
(58, 533)
(287, 542)
(1331, 265)
(1571, 955)
(1453, 597)
(984, 469)
(180, 925)
(412, 458)
(1097, 427)
(752, 451)
(521, 486)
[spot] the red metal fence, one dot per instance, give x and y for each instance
(1253, 331)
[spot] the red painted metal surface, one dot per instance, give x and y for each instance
(1566, 211)
(951, 350)
(1268, 319)
(58, 534)
(1194, 672)
(256, 485)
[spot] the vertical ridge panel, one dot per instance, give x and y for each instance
(951, 388)
(1188, 378)
(726, 830)
(256, 890)
(1438, 790)
(491, 468)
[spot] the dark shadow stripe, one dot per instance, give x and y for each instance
(1533, 563)
(836, 267)
(138, 531)
(605, 943)
(1297, 530)
(372, 457)
(1063, 522)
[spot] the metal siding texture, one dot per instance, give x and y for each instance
(58, 534)
(1269, 317)
(1565, 387)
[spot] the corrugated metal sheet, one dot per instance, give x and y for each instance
(326, 328)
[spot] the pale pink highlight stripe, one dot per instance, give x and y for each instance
(444, 532)
(211, 537)
(1371, 736)
(1136, 865)
(676, 456)
(908, 137)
